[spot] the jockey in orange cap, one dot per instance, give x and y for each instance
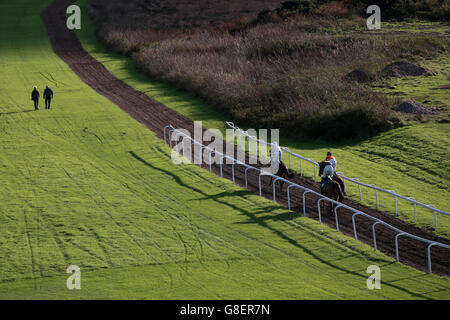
(332, 160)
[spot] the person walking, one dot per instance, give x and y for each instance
(48, 96)
(35, 98)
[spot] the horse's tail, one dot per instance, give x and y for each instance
(289, 173)
(284, 170)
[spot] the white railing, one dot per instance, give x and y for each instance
(175, 134)
(352, 180)
(286, 150)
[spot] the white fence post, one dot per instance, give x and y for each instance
(304, 201)
(396, 245)
(259, 183)
(318, 207)
(232, 171)
(354, 225)
(435, 221)
(274, 182)
(374, 235)
(429, 255)
(336, 216)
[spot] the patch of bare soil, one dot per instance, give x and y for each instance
(411, 106)
(360, 76)
(405, 69)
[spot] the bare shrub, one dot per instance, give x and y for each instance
(287, 74)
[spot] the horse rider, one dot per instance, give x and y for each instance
(48, 96)
(332, 160)
(282, 170)
(275, 152)
(328, 173)
(35, 97)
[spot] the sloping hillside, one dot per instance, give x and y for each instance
(85, 184)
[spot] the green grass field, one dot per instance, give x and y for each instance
(411, 160)
(84, 184)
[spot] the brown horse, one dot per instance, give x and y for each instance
(283, 171)
(339, 180)
(330, 188)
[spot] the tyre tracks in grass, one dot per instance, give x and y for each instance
(127, 178)
(31, 175)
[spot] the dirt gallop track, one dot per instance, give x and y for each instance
(155, 116)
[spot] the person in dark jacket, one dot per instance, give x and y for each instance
(48, 96)
(35, 98)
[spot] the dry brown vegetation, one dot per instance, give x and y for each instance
(283, 71)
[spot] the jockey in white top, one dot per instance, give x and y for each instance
(275, 152)
(328, 171)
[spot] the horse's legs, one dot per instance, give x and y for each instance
(322, 205)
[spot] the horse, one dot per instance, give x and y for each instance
(339, 180)
(282, 172)
(331, 188)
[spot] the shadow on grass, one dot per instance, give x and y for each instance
(16, 112)
(262, 221)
